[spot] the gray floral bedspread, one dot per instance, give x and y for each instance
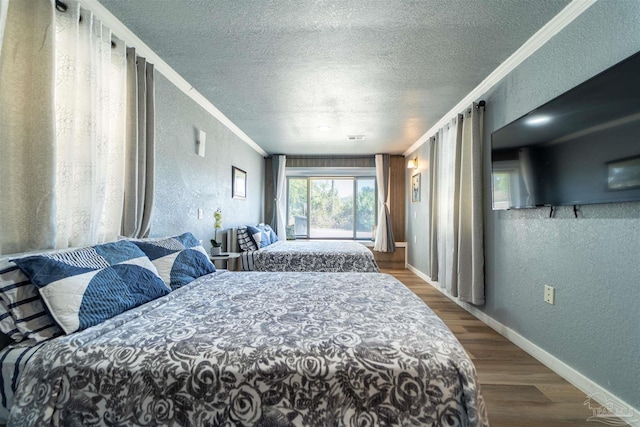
(259, 349)
(324, 256)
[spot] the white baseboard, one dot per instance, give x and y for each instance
(591, 389)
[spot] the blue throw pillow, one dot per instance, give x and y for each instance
(179, 260)
(87, 286)
(259, 237)
(272, 234)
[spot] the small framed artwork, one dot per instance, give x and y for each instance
(623, 174)
(415, 188)
(239, 183)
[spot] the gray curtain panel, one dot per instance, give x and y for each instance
(433, 208)
(140, 147)
(27, 126)
(470, 237)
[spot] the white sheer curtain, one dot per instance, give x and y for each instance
(384, 241)
(90, 129)
(280, 211)
(4, 6)
(27, 128)
(62, 109)
(456, 238)
(449, 170)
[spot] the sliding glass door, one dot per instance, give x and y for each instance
(332, 207)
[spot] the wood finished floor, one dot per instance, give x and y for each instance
(518, 390)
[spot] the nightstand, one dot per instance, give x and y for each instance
(222, 261)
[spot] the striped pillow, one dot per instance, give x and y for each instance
(246, 242)
(7, 324)
(22, 311)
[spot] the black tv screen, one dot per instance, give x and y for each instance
(582, 147)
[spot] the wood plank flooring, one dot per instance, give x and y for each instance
(518, 390)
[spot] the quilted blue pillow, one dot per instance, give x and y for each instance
(87, 286)
(179, 260)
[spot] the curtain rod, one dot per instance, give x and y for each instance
(63, 8)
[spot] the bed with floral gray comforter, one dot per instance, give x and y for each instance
(259, 349)
(326, 256)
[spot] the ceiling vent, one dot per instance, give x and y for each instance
(355, 137)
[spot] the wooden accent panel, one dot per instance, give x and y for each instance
(397, 192)
(391, 260)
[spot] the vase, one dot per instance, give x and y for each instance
(215, 250)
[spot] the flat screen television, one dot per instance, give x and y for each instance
(582, 147)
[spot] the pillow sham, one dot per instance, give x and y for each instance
(87, 286)
(258, 236)
(22, 311)
(246, 242)
(179, 259)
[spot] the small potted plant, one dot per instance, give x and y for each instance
(217, 215)
(215, 247)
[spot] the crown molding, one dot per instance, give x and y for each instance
(535, 42)
(125, 34)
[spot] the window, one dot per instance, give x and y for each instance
(321, 207)
(507, 182)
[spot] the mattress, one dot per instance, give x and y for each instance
(323, 256)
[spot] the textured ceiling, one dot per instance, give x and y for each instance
(387, 69)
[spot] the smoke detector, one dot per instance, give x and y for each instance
(355, 137)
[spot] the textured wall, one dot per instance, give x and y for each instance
(593, 261)
(417, 225)
(186, 181)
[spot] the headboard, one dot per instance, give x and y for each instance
(232, 240)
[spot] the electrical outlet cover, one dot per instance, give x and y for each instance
(549, 294)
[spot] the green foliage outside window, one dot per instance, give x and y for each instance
(331, 206)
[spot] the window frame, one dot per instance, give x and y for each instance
(354, 178)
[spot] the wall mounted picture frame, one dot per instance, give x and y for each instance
(415, 188)
(239, 183)
(623, 174)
